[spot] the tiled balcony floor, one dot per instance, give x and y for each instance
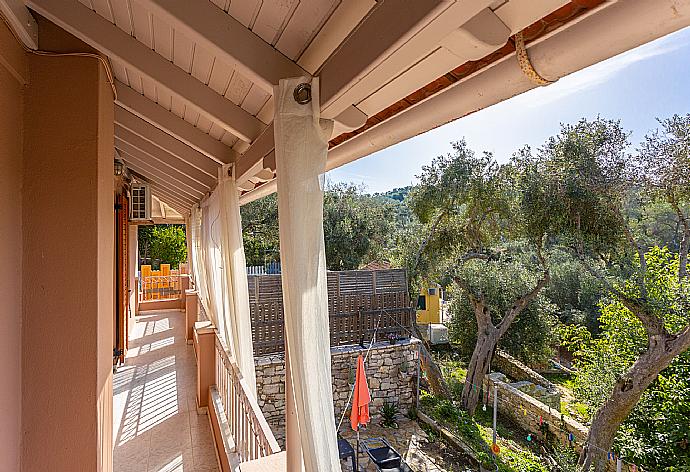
(156, 427)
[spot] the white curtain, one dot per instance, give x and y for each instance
(301, 145)
(236, 291)
(197, 267)
(220, 271)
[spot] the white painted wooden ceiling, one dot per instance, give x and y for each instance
(305, 32)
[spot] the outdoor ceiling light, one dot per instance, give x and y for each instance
(119, 167)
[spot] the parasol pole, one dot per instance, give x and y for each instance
(357, 452)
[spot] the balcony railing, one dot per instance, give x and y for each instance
(160, 287)
(247, 426)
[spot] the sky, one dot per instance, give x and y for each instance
(637, 87)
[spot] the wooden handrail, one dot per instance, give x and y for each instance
(250, 431)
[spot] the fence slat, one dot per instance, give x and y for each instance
(378, 294)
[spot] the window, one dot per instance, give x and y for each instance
(421, 302)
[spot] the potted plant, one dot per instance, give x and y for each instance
(486, 462)
(392, 338)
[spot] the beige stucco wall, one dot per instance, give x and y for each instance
(67, 261)
(12, 62)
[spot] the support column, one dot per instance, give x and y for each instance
(301, 145)
(293, 447)
(184, 286)
(191, 311)
(133, 253)
(205, 347)
(13, 77)
(68, 260)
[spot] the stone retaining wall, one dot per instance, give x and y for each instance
(391, 374)
(536, 417)
(516, 370)
(526, 412)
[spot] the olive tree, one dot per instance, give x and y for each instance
(469, 206)
(577, 184)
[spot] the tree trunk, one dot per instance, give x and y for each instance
(487, 339)
(625, 395)
(433, 373)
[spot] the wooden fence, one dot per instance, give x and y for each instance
(358, 302)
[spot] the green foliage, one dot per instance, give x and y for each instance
(454, 373)
(358, 228)
(663, 161)
(397, 194)
(574, 292)
(565, 458)
(502, 281)
(260, 231)
(464, 202)
(575, 183)
(389, 412)
(573, 337)
(656, 433)
(513, 456)
(163, 244)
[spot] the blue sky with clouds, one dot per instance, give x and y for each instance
(638, 86)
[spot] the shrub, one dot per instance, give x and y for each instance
(389, 412)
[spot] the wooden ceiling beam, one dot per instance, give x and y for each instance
(160, 138)
(212, 28)
(172, 124)
(147, 169)
(101, 34)
(156, 153)
(21, 21)
(174, 195)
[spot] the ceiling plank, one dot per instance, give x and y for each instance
(157, 154)
(147, 169)
(162, 167)
(100, 33)
(172, 193)
(215, 30)
(153, 183)
(175, 206)
(172, 124)
(170, 200)
(160, 138)
(163, 184)
(382, 31)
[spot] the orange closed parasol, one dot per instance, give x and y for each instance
(360, 398)
(360, 403)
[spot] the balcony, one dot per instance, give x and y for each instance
(156, 424)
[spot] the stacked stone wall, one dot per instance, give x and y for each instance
(391, 374)
(536, 417)
(516, 370)
(532, 415)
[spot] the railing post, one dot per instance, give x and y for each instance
(191, 313)
(205, 349)
(137, 294)
(184, 286)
